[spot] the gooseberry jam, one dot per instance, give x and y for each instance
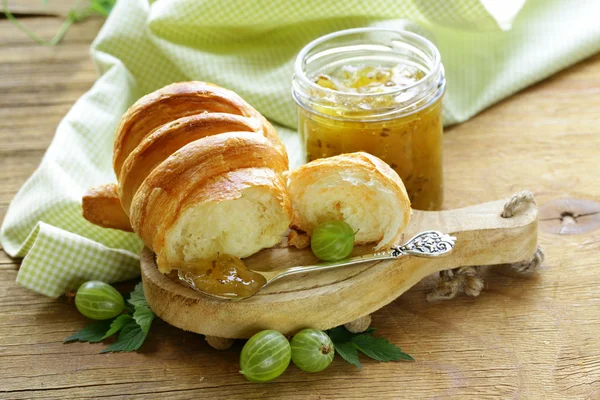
(226, 276)
(378, 91)
(369, 79)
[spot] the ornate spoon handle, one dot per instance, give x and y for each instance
(425, 244)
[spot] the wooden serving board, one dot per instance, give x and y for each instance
(327, 299)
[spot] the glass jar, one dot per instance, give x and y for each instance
(378, 91)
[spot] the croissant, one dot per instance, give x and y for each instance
(199, 173)
(357, 188)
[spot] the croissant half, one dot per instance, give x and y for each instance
(357, 188)
(219, 194)
(199, 173)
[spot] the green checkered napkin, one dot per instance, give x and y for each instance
(489, 52)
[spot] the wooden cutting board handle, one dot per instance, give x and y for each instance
(327, 299)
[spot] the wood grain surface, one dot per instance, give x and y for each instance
(534, 338)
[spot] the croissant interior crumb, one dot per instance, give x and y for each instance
(349, 195)
(239, 227)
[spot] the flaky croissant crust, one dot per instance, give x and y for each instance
(181, 100)
(177, 144)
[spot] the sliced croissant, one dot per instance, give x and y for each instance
(357, 188)
(220, 194)
(199, 173)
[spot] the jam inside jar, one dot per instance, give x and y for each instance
(378, 91)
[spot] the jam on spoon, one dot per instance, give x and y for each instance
(227, 276)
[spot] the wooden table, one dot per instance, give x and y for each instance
(522, 338)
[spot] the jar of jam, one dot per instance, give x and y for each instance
(378, 91)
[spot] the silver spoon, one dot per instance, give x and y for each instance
(425, 244)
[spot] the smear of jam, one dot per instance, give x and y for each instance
(225, 276)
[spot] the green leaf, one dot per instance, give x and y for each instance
(339, 334)
(137, 298)
(130, 308)
(76, 14)
(347, 350)
(133, 327)
(348, 344)
(117, 324)
(131, 338)
(92, 333)
(102, 7)
(142, 314)
(379, 348)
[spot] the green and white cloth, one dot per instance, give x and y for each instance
(489, 52)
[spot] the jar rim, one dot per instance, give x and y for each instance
(432, 72)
